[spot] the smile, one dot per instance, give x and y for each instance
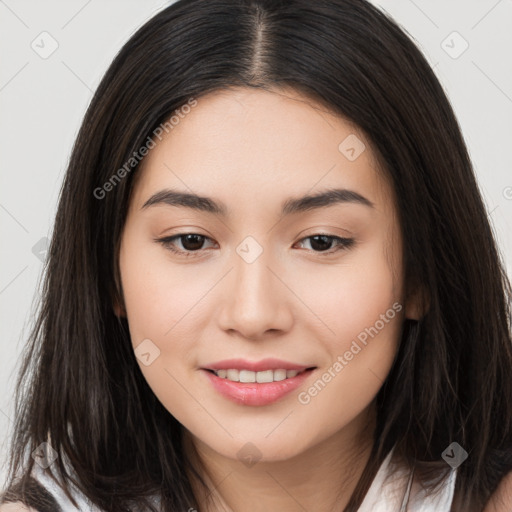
(256, 383)
(235, 375)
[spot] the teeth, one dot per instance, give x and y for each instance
(279, 375)
(266, 376)
(261, 377)
(247, 376)
(233, 375)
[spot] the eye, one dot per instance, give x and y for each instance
(323, 243)
(193, 243)
(190, 242)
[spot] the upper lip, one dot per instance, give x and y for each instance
(256, 366)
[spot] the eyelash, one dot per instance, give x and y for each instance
(343, 243)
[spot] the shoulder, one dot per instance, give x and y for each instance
(501, 500)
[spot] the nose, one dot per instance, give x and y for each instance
(258, 303)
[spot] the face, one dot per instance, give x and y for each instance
(256, 283)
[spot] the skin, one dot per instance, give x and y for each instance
(252, 150)
(16, 507)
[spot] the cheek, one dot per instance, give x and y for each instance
(351, 297)
(159, 301)
(159, 295)
(363, 308)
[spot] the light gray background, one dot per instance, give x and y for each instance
(43, 100)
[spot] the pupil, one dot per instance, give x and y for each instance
(323, 246)
(198, 239)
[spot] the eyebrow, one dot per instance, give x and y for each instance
(290, 206)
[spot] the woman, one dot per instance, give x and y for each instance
(272, 283)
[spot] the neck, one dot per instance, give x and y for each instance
(321, 478)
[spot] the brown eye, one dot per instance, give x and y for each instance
(190, 243)
(193, 243)
(324, 243)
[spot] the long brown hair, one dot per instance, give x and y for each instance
(80, 385)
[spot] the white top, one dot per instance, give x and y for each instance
(84, 505)
(396, 492)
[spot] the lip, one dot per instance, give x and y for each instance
(256, 394)
(255, 366)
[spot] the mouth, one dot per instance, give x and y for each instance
(261, 377)
(256, 384)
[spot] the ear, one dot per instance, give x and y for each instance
(417, 303)
(118, 302)
(119, 310)
(117, 295)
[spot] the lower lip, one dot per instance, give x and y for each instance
(252, 393)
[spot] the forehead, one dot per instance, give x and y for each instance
(262, 145)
